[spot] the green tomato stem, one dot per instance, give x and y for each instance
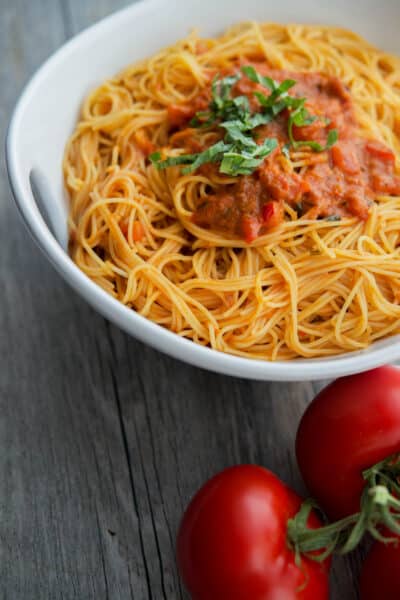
(379, 507)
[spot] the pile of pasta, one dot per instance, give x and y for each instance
(309, 288)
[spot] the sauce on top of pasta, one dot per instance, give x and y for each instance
(337, 181)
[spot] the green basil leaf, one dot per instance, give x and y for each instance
(234, 163)
(278, 107)
(235, 133)
(302, 117)
(286, 85)
(267, 147)
(263, 99)
(242, 102)
(155, 156)
(252, 74)
(281, 93)
(294, 103)
(259, 119)
(212, 154)
(221, 89)
(171, 161)
(333, 137)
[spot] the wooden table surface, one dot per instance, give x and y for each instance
(102, 439)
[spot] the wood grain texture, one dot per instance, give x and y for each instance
(103, 440)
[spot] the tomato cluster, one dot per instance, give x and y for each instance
(247, 536)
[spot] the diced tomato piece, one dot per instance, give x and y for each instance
(268, 211)
(143, 142)
(123, 225)
(315, 131)
(357, 204)
(272, 213)
(179, 114)
(385, 184)
(250, 228)
(380, 150)
(138, 231)
(345, 158)
(396, 186)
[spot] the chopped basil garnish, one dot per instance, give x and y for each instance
(222, 106)
(171, 161)
(247, 159)
(238, 153)
(236, 158)
(212, 154)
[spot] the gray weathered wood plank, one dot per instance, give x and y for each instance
(63, 463)
(103, 440)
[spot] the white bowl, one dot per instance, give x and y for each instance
(47, 111)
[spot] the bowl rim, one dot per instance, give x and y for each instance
(127, 319)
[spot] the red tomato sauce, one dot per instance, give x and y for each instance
(339, 182)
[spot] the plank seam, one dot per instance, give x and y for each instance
(128, 458)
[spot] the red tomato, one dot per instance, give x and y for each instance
(272, 214)
(232, 541)
(380, 573)
(138, 231)
(143, 142)
(380, 150)
(351, 425)
(179, 114)
(344, 157)
(250, 228)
